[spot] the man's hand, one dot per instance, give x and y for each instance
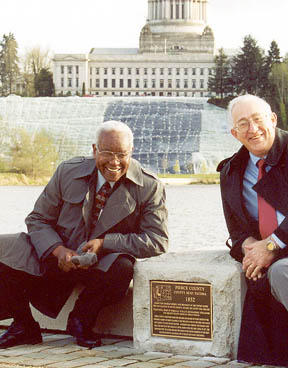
(94, 246)
(64, 255)
(256, 258)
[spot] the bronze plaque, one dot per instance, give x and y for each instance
(181, 309)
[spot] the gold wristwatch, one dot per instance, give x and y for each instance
(272, 246)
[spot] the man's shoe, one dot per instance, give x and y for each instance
(20, 334)
(84, 336)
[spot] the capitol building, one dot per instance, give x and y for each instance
(175, 58)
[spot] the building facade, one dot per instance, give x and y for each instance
(175, 58)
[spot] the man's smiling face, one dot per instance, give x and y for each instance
(113, 154)
(261, 124)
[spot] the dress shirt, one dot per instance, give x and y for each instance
(101, 180)
(250, 196)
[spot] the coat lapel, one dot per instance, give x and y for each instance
(88, 202)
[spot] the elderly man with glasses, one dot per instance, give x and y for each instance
(94, 217)
(254, 189)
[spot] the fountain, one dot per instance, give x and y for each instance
(172, 134)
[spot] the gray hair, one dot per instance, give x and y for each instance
(245, 98)
(113, 125)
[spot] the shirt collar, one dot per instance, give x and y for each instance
(255, 159)
(101, 180)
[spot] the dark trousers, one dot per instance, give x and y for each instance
(100, 288)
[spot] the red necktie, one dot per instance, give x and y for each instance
(100, 200)
(267, 214)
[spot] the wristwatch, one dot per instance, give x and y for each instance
(271, 246)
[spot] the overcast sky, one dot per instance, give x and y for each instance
(73, 26)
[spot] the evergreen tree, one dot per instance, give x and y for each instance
(273, 56)
(220, 81)
(9, 69)
(248, 68)
(43, 83)
(278, 98)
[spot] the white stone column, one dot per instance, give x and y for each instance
(167, 9)
(201, 10)
(205, 11)
(193, 9)
(150, 9)
(158, 9)
(186, 9)
(154, 9)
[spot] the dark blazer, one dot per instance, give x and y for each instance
(133, 221)
(264, 326)
(273, 187)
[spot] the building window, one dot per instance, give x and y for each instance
(77, 69)
(153, 83)
(121, 71)
(113, 71)
(183, 11)
(161, 71)
(153, 71)
(129, 70)
(69, 69)
(129, 83)
(169, 83)
(193, 83)
(177, 83)
(69, 82)
(121, 83)
(210, 70)
(105, 83)
(171, 11)
(97, 83)
(177, 11)
(105, 70)
(185, 83)
(185, 71)
(202, 71)
(193, 71)
(113, 83)
(145, 71)
(201, 83)
(97, 71)
(137, 71)
(161, 83)
(62, 82)
(77, 82)
(137, 83)
(62, 69)
(145, 85)
(91, 70)
(177, 71)
(169, 71)
(90, 83)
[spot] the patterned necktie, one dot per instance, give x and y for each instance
(100, 200)
(267, 214)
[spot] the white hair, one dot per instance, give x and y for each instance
(113, 125)
(246, 98)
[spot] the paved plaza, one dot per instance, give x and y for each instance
(60, 351)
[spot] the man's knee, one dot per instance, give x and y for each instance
(122, 267)
(278, 271)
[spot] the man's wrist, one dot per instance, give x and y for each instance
(272, 246)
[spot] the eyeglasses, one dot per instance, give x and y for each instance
(109, 155)
(243, 125)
